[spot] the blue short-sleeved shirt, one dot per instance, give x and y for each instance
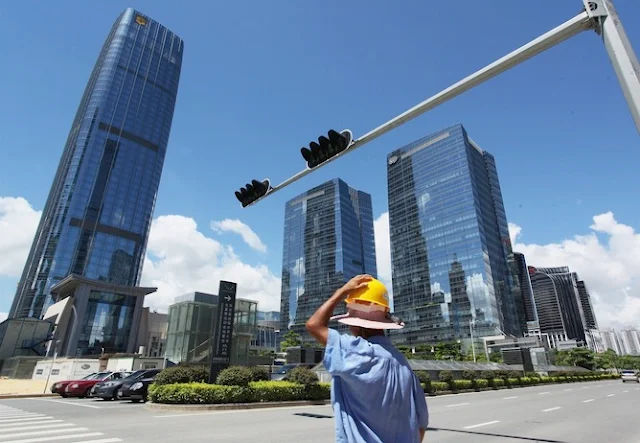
(375, 395)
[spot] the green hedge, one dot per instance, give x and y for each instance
(255, 392)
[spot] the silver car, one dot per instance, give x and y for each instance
(630, 376)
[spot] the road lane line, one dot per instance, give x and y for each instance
(458, 404)
(552, 409)
(35, 422)
(624, 392)
(588, 401)
(74, 404)
(20, 428)
(611, 395)
(482, 424)
(23, 420)
(510, 398)
(57, 437)
(542, 393)
(37, 433)
(102, 440)
(568, 389)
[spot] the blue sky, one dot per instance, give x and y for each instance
(261, 79)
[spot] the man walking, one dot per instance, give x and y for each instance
(375, 395)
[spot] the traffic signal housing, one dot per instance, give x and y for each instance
(253, 191)
(326, 148)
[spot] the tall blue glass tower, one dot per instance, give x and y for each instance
(328, 239)
(97, 217)
(452, 265)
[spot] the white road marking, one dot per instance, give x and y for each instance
(542, 393)
(45, 432)
(568, 389)
(482, 424)
(70, 403)
(552, 409)
(510, 398)
(58, 437)
(459, 404)
(20, 428)
(588, 401)
(22, 420)
(102, 440)
(624, 392)
(35, 422)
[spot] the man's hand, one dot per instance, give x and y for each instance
(318, 323)
(357, 282)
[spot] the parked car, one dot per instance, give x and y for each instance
(136, 390)
(283, 371)
(630, 376)
(82, 388)
(60, 387)
(108, 390)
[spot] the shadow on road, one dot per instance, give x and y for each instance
(491, 434)
(306, 414)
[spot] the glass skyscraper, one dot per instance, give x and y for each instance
(97, 217)
(328, 239)
(452, 265)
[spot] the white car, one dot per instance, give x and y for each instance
(630, 376)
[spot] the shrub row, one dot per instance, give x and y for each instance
(231, 376)
(448, 383)
(253, 392)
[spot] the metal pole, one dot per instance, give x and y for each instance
(557, 35)
(473, 345)
(55, 354)
(621, 53)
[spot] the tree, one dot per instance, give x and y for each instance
(582, 357)
(290, 339)
(607, 360)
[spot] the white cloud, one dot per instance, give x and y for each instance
(236, 226)
(3, 316)
(18, 223)
(607, 259)
(182, 259)
(383, 251)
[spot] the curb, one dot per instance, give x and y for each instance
(10, 396)
(229, 406)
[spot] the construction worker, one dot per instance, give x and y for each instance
(375, 395)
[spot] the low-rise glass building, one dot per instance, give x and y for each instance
(192, 320)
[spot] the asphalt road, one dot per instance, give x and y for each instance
(570, 413)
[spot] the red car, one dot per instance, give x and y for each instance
(59, 387)
(82, 388)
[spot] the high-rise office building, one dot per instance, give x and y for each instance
(450, 247)
(528, 300)
(559, 303)
(328, 239)
(587, 307)
(97, 217)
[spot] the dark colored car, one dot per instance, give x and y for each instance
(60, 387)
(108, 390)
(136, 390)
(82, 388)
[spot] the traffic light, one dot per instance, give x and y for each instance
(253, 191)
(326, 148)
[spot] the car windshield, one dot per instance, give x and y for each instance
(628, 372)
(134, 375)
(285, 369)
(101, 376)
(89, 377)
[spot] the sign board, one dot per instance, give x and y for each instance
(223, 329)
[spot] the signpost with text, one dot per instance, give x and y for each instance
(223, 330)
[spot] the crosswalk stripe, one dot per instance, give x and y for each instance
(22, 419)
(20, 428)
(35, 422)
(102, 440)
(45, 432)
(55, 438)
(20, 414)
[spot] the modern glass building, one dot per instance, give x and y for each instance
(192, 320)
(559, 302)
(524, 280)
(450, 247)
(98, 214)
(328, 239)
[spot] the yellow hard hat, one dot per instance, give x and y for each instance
(375, 292)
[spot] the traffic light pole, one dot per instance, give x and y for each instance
(598, 15)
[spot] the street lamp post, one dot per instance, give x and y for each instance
(473, 344)
(53, 362)
(597, 15)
